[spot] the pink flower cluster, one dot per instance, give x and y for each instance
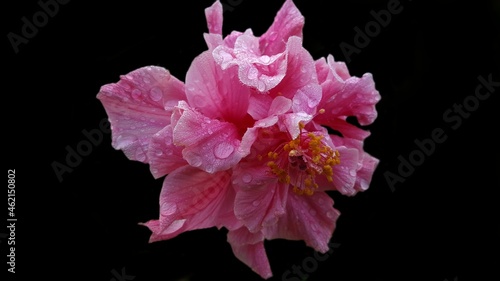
(244, 142)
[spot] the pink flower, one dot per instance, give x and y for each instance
(244, 142)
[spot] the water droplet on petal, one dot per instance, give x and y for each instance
(124, 141)
(159, 153)
(223, 150)
(252, 73)
(136, 94)
(352, 173)
(330, 215)
(303, 69)
(195, 160)
(156, 94)
(261, 86)
(265, 59)
(363, 184)
(255, 203)
(169, 152)
(247, 178)
(321, 201)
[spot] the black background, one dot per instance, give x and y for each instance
(441, 223)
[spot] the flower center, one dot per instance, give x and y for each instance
(301, 160)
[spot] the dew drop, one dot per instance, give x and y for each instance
(247, 178)
(321, 201)
(223, 150)
(303, 69)
(363, 184)
(123, 140)
(265, 59)
(159, 153)
(195, 160)
(330, 215)
(169, 152)
(261, 86)
(156, 94)
(255, 203)
(352, 173)
(252, 73)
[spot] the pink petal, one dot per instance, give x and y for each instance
(259, 105)
(212, 40)
(191, 199)
(344, 174)
(138, 106)
(288, 22)
(347, 130)
(280, 105)
(215, 92)
(164, 157)
(249, 248)
(365, 173)
(309, 218)
(214, 18)
(300, 83)
(210, 144)
(331, 70)
(366, 163)
(348, 97)
(255, 70)
(260, 206)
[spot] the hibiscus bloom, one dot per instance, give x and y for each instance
(244, 143)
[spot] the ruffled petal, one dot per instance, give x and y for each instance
(309, 218)
(249, 248)
(216, 93)
(288, 22)
(209, 144)
(260, 206)
(300, 83)
(351, 96)
(138, 106)
(214, 18)
(164, 157)
(192, 199)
